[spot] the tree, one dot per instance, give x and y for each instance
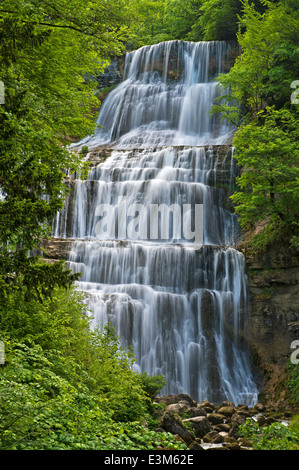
(267, 150)
(258, 102)
(48, 50)
(181, 17)
(146, 22)
(219, 20)
(268, 63)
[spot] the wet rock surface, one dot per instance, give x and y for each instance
(206, 426)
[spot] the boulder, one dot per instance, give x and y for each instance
(233, 446)
(229, 439)
(209, 426)
(183, 397)
(172, 399)
(199, 424)
(177, 408)
(208, 404)
(197, 411)
(244, 442)
(234, 431)
(210, 436)
(216, 418)
(224, 435)
(173, 424)
(195, 446)
(213, 437)
(260, 407)
(222, 427)
(243, 408)
(245, 414)
(237, 419)
(261, 420)
(218, 440)
(167, 399)
(227, 410)
(228, 403)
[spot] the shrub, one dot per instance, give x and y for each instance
(64, 386)
(276, 436)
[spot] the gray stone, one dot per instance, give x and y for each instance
(227, 410)
(197, 411)
(177, 408)
(237, 419)
(173, 424)
(211, 436)
(200, 425)
(216, 418)
(195, 446)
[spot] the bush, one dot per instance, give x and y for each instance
(66, 387)
(84, 150)
(276, 436)
(152, 385)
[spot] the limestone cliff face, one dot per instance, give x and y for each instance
(273, 278)
(112, 75)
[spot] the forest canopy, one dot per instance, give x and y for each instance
(189, 20)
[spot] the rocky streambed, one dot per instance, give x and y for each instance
(204, 425)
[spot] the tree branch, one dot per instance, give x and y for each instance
(51, 25)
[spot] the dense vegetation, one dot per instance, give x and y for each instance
(264, 108)
(64, 386)
(154, 21)
(276, 436)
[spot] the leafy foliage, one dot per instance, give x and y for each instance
(268, 63)
(190, 20)
(257, 101)
(219, 20)
(268, 151)
(182, 19)
(47, 51)
(276, 436)
(65, 386)
(146, 22)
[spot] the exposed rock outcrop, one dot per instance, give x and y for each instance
(273, 278)
(113, 74)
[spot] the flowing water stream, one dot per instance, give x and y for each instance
(153, 234)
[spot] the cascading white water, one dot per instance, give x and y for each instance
(180, 302)
(165, 98)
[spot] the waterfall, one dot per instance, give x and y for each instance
(166, 98)
(153, 233)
